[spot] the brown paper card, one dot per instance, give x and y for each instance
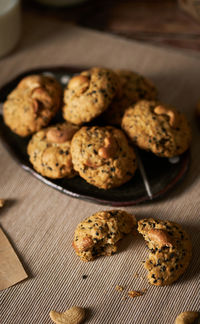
(11, 269)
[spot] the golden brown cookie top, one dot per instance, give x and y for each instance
(97, 145)
(133, 87)
(44, 91)
(88, 94)
(102, 156)
(32, 104)
(170, 250)
(49, 151)
(157, 127)
(99, 233)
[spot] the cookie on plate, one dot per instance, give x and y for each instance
(170, 250)
(98, 234)
(102, 156)
(134, 87)
(49, 151)
(88, 94)
(158, 128)
(32, 104)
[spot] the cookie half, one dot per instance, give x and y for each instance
(32, 104)
(87, 95)
(156, 127)
(98, 234)
(49, 151)
(170, 250)
(102, 156)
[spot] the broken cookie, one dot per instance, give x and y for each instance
(170, 250)
(98, 234)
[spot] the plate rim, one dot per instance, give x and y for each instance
(75, 69)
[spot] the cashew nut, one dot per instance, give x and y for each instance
(90, 164)
(109, 148)
(35, 105)
(186, 317)
(84, 244)
(41, 95)
(161, 237)
(79, 83)
(74, 315)
(55, 135)
(172, 114)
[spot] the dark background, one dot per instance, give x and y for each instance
(154, 21)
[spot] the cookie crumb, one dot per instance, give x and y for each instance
(124, 298)
(144, 290)
(119, 288)
(136, 275)
(135, 293)
(2, 202)
(84, 276)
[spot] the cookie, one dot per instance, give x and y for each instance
(158, 128)
(102, 156)
(32, 104)
(87, 95)
(49, 151)
(170, 250)
(134, 87)
(98, 234)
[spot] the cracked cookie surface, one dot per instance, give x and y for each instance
(32, 104)
(170, 250)
(102, 156)
(158, 128)
(49, 151)
(134, 87)
(98, 234)
(89, 94)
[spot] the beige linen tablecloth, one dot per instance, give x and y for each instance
(40, 221)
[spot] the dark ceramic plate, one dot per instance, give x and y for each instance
(154, 177)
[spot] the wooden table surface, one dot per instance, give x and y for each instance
(154, 21)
